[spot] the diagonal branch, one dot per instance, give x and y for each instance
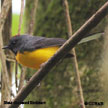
(65, 48)
(74, 60)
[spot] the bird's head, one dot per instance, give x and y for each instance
(14, 44)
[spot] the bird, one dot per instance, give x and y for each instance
(33, 51)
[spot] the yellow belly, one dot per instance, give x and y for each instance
(35, 58)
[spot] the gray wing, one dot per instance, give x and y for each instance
(47, 42)
(35, 42)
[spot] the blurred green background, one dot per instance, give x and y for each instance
(15, 23)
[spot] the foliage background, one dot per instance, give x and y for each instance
(59, 88)
(15, 23)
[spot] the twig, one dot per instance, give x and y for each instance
(30, 31)
(4, 12)
(33, 16)
(22, 77)
(16, 73)
(10, 60)
(74, 60)
(19, 31)
(64, 49)
(21, 17)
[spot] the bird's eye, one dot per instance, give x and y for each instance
(13, 42)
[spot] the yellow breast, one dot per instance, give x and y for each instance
(35, 58)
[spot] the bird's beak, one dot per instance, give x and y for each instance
(5, 47)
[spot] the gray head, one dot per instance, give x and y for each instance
(16, 43)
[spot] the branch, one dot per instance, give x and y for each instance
(64, 49)
(30, 31)
(33, 15)
(21, 16)
(22, 77)
(74, 60)
(4, 12)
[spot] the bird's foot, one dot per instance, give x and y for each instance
(43, 64)
(38, 85)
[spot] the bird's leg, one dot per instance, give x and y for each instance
(38, 85)
(43, 64)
